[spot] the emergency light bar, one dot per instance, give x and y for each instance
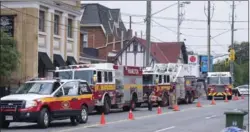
(42, 78)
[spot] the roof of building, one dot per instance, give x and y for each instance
(95, 13)
(163, 52)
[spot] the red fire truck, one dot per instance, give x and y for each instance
(113, 86)
(219, 85)
(162, 79)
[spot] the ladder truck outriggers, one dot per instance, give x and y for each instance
(182, 80)
(113, 86)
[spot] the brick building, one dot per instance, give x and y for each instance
(106, 31)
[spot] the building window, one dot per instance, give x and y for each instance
(70, 26)
(41, 21)
(135, 47)
(85, 40)
(56, 24)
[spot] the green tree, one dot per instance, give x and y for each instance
(241, 64)
(9, 56)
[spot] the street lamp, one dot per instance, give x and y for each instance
(179, 15)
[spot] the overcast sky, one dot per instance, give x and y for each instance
(193, 11)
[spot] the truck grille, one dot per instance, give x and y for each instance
(220, 89)
(12, 104)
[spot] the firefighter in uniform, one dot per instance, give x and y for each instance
(150, 102)
(172, 96)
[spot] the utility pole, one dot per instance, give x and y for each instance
(130, 22)
(178, 21)
(148, 28)
(208, 35)
(232, 41)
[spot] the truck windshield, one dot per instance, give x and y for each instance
(85, 75)
(43, 88)
(213, 80)
(148, 79)
(64, 74)
(225, 80)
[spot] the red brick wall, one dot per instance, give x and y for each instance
(96, 37)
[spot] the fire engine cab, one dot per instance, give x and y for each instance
(44, 100)
(113, 86)
(156, 82)
(219, 85)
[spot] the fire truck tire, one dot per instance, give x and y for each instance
(228, 97)
(106, 107)
(186, 98)
(4, 124)
(44, 118)
(209, 97)
(74, 121)
(84, 115)
(99, 109)
(190, 98)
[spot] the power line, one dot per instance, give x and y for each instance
(188, 28)
(186, 19)
(176, 32)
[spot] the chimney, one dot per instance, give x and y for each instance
(129, 32)
(122, 34)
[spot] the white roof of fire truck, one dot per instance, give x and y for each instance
(216, 74)
(175, 69)
(100, 66)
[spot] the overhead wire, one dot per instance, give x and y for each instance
(186, 19)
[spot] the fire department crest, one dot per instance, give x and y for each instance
(65, 105)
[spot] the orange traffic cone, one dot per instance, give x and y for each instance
(176, 108)
(102, 122)
(159, 111)
(130, 115)
(226, 100)
(198, 104)
(213, 101)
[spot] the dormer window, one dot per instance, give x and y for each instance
(135, 47)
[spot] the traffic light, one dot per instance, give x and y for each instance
(231, 54)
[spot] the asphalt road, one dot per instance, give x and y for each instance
(188, 119)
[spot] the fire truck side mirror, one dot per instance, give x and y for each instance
(156, 81)
(94, 78)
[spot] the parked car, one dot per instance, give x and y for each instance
(241, 90)
(43, 101)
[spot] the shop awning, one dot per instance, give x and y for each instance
(58, 60)
(71, 60)
(46, 60)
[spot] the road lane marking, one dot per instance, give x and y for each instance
(140, 117)
(172, 127)
(209, 117)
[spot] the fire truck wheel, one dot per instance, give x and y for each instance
(74, 121)
(44, 118)
(106, 105)
(4, 124)
(186, 98)
(84, 115)
(190, 99)
(209, 97)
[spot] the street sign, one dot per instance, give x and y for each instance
(193, 59)
(204, 63)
